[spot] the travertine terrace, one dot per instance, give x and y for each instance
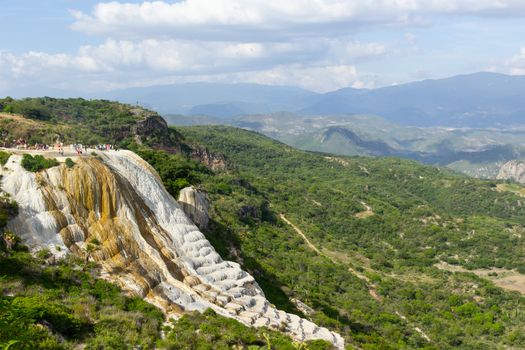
(147, 244)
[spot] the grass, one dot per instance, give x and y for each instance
(513, 188)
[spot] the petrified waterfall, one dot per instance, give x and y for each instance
(147, 243)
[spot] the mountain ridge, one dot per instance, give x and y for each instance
(482, 99)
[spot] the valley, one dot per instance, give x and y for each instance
(477, 152)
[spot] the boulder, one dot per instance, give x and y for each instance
(196, 206)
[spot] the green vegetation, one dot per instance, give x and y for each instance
(421, 216)
(29, 108)
(82, 121)
(209, 331)
(4, 157)
(60, 307)
(69, 163)
(175, 170)
(37, 162)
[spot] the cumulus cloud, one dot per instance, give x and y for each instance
(309, 43)
(319, 64)
(319, 78)
(270, 19)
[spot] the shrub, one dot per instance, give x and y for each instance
(70, 163)
(8, 209)
(37, 163)
(4, 156)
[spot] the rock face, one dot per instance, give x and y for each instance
(513, 170)
(249, 211)
(152, 129)
(147, 243)
(211, 160)
(196, 205)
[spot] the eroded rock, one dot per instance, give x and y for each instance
(196, 206)
(513, 170)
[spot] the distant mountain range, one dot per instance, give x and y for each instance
(474, 100)
(214, 99)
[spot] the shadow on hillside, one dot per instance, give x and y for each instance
(223, 240)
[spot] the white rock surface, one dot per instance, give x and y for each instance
(196, 206)
(148, 244)
(513, 170)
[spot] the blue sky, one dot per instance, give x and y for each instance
(321, 45)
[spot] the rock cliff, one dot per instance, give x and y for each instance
(513, 170)
(213, 161)
(147, 243)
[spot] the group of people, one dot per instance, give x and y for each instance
(106, 147)
(58, 146)
(18, 144)
(80, 149)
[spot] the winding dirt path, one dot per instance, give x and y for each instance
(365, 214)
(303, 236)
(372, 288)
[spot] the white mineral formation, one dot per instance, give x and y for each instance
(196, 205)
(147, 243)
(513, 170)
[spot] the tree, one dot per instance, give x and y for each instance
(92, 246)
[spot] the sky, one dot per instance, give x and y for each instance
(321, 45)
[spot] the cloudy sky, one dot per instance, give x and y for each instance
(322, 45)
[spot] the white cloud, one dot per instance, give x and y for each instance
(271, 19)
(516, 64)
(316, 64)
(309, 43)
(318, 78)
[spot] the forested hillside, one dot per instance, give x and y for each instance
(376, 232)
(47, 120)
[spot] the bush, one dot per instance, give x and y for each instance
(29, 108)
(8, 209)
(4, 156)
(37, 163)
(70, 163)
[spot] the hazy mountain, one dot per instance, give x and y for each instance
(474, 100)
(214, 99)
(480, 99)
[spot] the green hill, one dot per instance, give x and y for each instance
(378, 229)
(46, 120)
